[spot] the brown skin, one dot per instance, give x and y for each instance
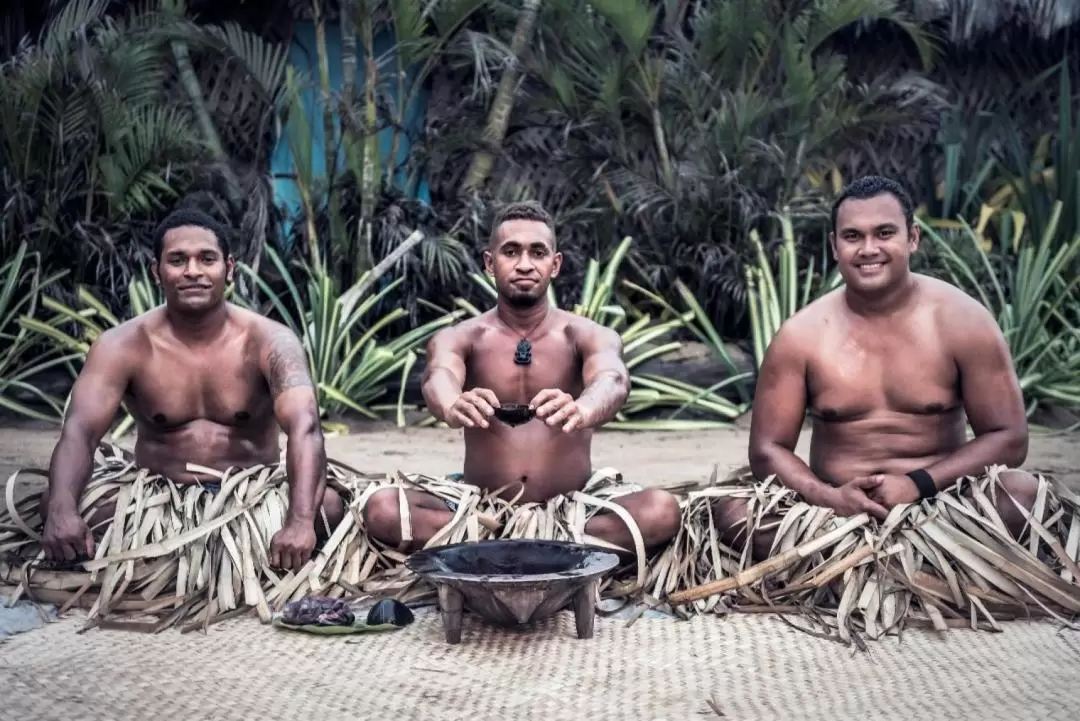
(888, 368)
(206, 383)
(577, 381)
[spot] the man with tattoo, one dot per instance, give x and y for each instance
(568, 369)
(890, 368)
(207, 383)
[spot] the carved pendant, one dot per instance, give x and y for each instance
(523, 356)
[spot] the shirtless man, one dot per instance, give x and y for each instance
(207, 383)
(576, 381)
(887, 367)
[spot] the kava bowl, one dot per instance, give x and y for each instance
(513, 583)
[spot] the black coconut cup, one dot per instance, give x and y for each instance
(514, 414)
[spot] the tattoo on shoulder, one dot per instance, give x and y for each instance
(287, 363)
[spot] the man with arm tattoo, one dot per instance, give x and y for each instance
(207, 383)
(568, 369)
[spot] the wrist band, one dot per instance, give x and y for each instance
(924, 483)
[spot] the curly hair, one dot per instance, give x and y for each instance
(871, 186)
(190, 217)
(521, 210)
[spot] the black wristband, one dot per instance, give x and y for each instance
(924, 483)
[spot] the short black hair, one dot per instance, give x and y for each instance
(870, 186)
(521, 210)
(190, 217)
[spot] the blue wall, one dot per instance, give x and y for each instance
(304, 56)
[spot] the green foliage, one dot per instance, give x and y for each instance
(23, 283)
(70, 331)
(350, 366)
(1033, 294)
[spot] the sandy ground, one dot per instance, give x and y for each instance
(648, 458)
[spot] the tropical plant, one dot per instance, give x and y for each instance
(23, 284)
(1033, 294)
(351, 366)
(644, 338)
(684, 132)
(72, 330)
(772, 299)
(94, 146)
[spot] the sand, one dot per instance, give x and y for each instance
(648, 458)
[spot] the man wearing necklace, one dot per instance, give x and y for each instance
(568, 369)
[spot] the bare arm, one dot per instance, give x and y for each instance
(296, 408)
(444, 375)
(778, 413)
(992, 398)
(95, 399)
(606, 379)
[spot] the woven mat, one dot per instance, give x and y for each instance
(657, 670)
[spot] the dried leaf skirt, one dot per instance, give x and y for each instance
(178, 553)
(945, 562)
(188, 555)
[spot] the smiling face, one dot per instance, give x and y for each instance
(193, 271)
(872, 243)
(523, 260)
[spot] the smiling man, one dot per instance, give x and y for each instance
(207, 383)
(890, 368)
(566, 368)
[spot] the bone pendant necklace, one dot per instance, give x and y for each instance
(523, 353)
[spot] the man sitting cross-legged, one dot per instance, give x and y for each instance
(207, 383)
(888, 367)
(568, 368)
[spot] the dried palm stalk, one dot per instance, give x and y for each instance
(941, 563)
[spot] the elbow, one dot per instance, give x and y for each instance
(761, 459)
(306, 427)
(1014, 449)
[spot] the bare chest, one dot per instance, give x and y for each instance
(498, 363)
(177, 387)
(905, 369)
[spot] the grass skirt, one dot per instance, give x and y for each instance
(182, 554)
(945, 562)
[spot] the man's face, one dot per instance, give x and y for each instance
(872, 244)
(192, 271)
(523, 261)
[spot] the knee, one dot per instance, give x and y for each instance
(333, 506)
(661, 516)
(1017, 487)
(382, 516)
(729, 517)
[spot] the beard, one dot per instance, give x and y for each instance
(522, 301)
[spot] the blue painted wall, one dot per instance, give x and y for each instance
(304, 56)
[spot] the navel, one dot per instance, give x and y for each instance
(243, 416)
(159, 418)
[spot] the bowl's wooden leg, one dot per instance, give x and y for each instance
(451, 603)
(585, 609)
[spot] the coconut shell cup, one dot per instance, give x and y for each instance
(514, 414)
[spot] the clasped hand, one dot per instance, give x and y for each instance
(877, 495)
(472, 409)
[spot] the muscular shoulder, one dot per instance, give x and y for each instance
(588, 334)
(129, 339)
(800, 334)
(460, 337)
(281, 353)
(955, 310)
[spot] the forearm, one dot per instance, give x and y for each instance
(70, 467)
(972, 459)
(602, 399)
(441, 388)
(305, 463)
(773, 459)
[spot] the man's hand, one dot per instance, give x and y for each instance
(891, 490)
(472, 409)
(857, 496)
(554, 406)
(291, 547)
(67, 537)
